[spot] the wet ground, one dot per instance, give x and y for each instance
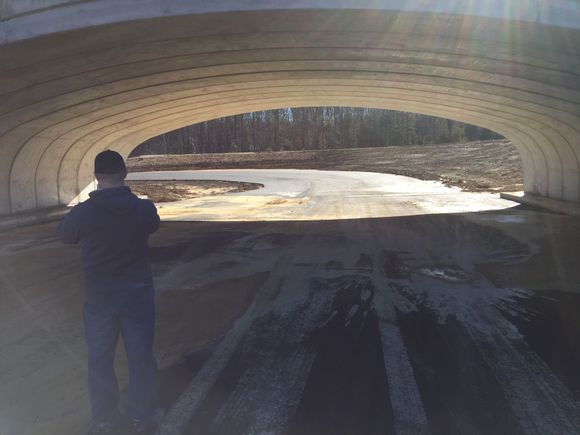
(389, 326)
(445, 324)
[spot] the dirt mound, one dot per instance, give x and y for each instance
(175, 190)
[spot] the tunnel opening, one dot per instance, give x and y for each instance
(287, 159)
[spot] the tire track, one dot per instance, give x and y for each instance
(541, 403)
(180, 414)
(279, 361)
(409, 413)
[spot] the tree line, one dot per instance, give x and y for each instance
(312, 129)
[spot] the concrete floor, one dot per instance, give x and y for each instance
(440, 322)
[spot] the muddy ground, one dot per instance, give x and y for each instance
(451, 323)
(178, 190)
(474, 166)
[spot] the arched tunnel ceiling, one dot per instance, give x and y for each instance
(67, 96)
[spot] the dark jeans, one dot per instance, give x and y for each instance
(133, 315)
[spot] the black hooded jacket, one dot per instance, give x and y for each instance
(113, 227)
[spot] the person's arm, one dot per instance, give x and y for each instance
(153, 217)
(69, 228)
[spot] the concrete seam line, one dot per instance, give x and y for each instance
(305, 48)
(458, 79)
(112, 106)
(85, 102)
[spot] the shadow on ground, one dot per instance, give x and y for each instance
(302, 315)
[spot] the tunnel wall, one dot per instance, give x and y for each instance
(68, 95)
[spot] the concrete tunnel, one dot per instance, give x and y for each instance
(78, 77)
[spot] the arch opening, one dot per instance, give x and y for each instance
(300, 163)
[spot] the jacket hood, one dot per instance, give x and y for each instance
(116, 200)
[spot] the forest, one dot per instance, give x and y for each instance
(312, 129)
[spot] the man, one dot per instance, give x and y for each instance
(113, 227)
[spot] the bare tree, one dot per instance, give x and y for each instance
(312, 128)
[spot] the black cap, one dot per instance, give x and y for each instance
(109, 162)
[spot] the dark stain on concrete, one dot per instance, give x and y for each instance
(550, 324)
(459, 391)
(347, 390)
